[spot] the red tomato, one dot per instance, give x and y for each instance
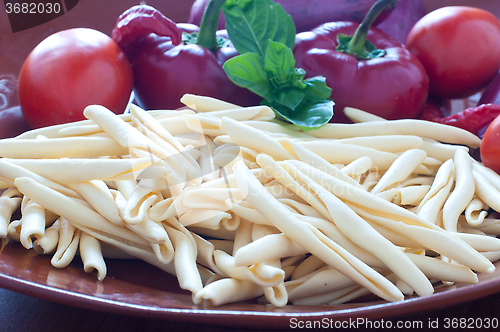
(490, 146)
(459, 47)
(70, 70)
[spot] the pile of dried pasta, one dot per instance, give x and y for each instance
(238, 206)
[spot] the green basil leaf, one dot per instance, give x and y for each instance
(308, 115)
(290, 98)
(278, 59)
(316, 89)
(251, 24)
(313, 115)
(247, 71)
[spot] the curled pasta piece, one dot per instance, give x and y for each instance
(91, 254)
(265, 249)
(262, 274)
(69, 238)
(186, 268)
(475, 212)
(276, 295)
(47, 243)
(10, 201)
(228, 290)
(32, 222)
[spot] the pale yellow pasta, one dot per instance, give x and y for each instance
(81, 170)
(309, 266)
(81, 216)
(261, 274)
(206, 218)
(32, 222)
(400, 169)
(435, 239)
(239, 206)
(267, 248)
(462, 193)
(411, 195)
(357, 167)
(206, 104)
(388, 143)
(100, 197)
(242, 238)
(356, 115)
(313, 159)
(424, 129)
(443, 176)
(246, 212)
(91, 254)
(75, 147)
(228, 290)
(337, 153)
(69, 238)
(12, 172)
(185, 262)
(254, 113)
(47, 243)
(485, 190)
(432, 207)
(10, 200)
(475, 212)
(311, 239)
(362, 234)
(205, 253)
(435, 268)
(439, 150)
(276, 295)
(254, 139)
(489, 226)
(334, 297)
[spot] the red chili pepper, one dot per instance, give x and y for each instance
(472, 119)
(170, 60)
(371, 71)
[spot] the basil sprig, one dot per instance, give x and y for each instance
(264, 36)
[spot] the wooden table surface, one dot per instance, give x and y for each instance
(20, 312)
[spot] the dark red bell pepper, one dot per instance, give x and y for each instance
(371, 71)
(170, 60)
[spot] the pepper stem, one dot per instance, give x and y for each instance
(357, 45)
(208, 26)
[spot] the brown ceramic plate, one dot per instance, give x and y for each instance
(133, 287)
